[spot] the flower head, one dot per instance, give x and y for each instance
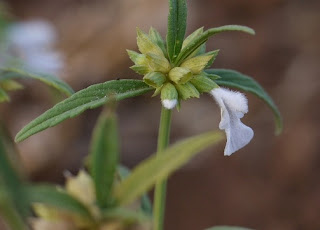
(173, 82)
(233, 107)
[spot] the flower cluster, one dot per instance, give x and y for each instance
(187, 80)
(175, 83)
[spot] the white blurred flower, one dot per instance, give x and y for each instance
(233, 107)
(33, 42)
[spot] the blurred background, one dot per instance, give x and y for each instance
(273, 183)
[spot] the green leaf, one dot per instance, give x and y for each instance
(125, 215)
(227, 228)
(58, 198)
(157, 39)
(177, 24)
(89, 98)
(201, 39)
(9, 177)
(160, 166)
(9, 213)
(203, 83)
(104, 156)
(4, 96)
(10, 85)
(146, 206)
(192, 37)
(12, 73)
(240, 81)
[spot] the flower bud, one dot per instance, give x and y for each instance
(158, 63)
(145, 44)
(203, 84)
(180, 75)
(187, 90)
(156, 38)
(198, 63)
(155, 79)
(81, 187)
(140, 69)
(138, 59)
(169, 96)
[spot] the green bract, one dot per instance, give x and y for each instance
(176, 69)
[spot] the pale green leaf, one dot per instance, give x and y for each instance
(89, 98)
(125, 215)
(50, 195)
(177, 24)
(146, 206)
(160, 166)
(201, 39)
(12, 73)
(157, 39)
(104, 156)
(243, 82)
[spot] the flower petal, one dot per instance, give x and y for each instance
(233, 107)
(169, 104)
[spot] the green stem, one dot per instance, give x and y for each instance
(159, 203)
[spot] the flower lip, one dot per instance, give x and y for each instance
(169, 104)
(233, 107)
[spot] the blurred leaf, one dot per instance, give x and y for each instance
(160, 166)
(10, 85)
(89, 98)
(10, 179)
(4, 96)
(202, 38)
(13, 73)
(50, 195)
(240, 81)
(227, 228)
(104, 155)
(9, 213)
(177, 24)
(124, 214)
(146, 205)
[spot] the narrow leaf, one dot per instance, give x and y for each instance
(146, 206)
(9, 213)
(12, 73)
(10, 85)
(177, 23)
(240, 81)
(157, 168)
(201, 39)
(50, 195)
(9, 177)
(104, 156)
(89, 98)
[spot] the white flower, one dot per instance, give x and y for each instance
(233, 107)
(169, 104)
(33, 42)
